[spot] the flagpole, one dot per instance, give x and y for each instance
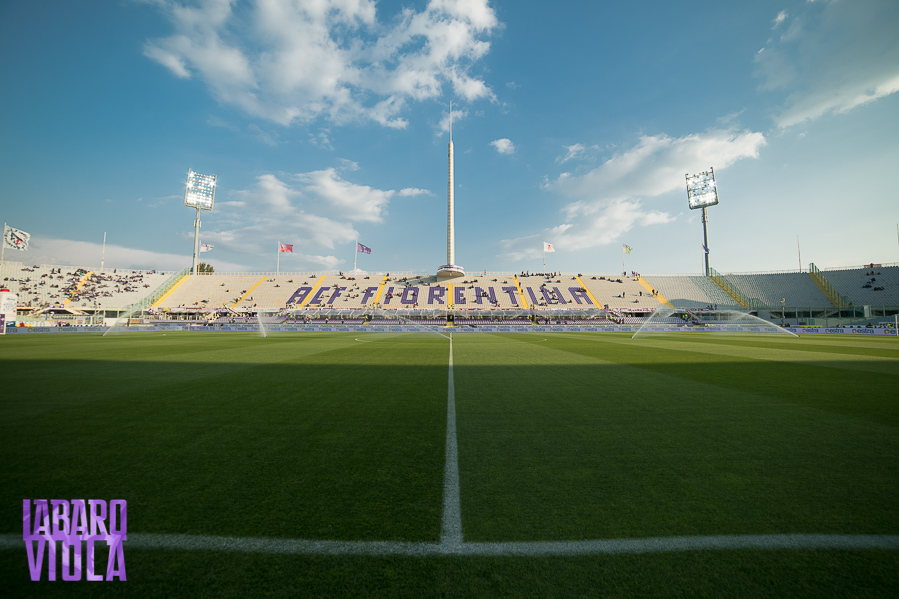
(103, 254)
(355, 255)
(278, 267)
(3, 245)
(544, 258)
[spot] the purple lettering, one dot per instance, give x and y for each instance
(61, 524)
(118, 518)
(410, 296)
(26, 519)
(299, 295)
(79, 518)
(90, 564)
(51, 561)
(116, 555)
(368, 293)
(559, 296)
(35, 562)
(436, 294)
(318, 294)
(579, 295)
(534, 300)
(98, 517)
(460, 294)
(336, 294)
(41, 518)
(388, 296)
(511, 291)
(71, 567)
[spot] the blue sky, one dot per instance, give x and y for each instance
(575, 123)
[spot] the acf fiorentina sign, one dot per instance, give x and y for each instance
(72, 527)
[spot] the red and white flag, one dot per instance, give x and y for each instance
(285, 248)
(548, 247)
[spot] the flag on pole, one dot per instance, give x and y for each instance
(627, 249)
(15, 239)
(362, 249)
(548, 247)
(206, 247)
(285, 248)
(705, 249)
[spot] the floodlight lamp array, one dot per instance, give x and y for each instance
(702, 190)
(200, 191)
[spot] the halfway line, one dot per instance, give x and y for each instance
(796, 542)
(451, 528)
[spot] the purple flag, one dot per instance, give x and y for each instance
(362, 249)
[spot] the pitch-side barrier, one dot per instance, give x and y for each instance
(466, 329)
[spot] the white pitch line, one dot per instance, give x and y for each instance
(796, 542)
(451, 527)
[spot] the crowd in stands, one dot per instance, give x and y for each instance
(48, 287)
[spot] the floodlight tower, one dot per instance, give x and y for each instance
(200, 194)
(702, 192)
(450, 269)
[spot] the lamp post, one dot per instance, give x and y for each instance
(702, 192)
(200, 194)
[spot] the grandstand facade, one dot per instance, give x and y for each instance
(818, 297)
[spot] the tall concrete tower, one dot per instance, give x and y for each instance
(450, 234)
(450, 269)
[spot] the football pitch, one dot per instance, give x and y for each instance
(420, 465)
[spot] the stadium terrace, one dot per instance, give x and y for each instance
(49, 295)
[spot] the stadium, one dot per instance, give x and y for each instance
(443, 431)
(336, 434)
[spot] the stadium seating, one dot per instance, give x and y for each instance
(529, 298)
(867, 286)
(623, 293)
(69, 286)
(797, 288)
(690, 291)
(208, 292)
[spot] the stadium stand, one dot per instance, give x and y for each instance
(117, 289)
(473, 300)
(208, 292)
(871, 285)
(77, 289)
(688, 291)
(797, 288)
(622, 293)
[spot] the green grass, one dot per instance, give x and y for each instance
(561, 437)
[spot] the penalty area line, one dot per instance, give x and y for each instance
(796, 542)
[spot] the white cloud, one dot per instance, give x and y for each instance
(573, 151)
(832, 58)
(780, 18)
(65, 252)
(503, 146)
(655, 165)
(444, 124)
(609, 200)
(411, 192)
(349, 200)
(290, 61)
(316, 211)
